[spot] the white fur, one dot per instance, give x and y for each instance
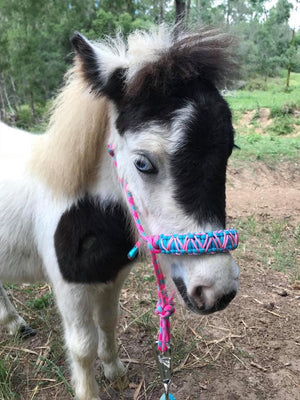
(29, 215)
(143, 47)
(111, 55)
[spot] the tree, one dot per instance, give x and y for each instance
(179, 12)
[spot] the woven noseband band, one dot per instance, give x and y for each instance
(192, 243)
(177, 244)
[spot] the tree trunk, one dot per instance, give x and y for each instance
(179, 15)
(198, 11)
(288, 77)
(2, 104)
(228, 12)
(32, 104)
(4, 92)
(188, 12)
(290, 62)
(161, 11)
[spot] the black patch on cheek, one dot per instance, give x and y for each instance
(92, 241)
(199, 166)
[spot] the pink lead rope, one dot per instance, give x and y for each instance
(165, 305)
(192, 244)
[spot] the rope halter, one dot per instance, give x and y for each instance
(177, 244)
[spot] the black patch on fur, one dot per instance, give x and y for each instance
(114, 87)
(199, 166)
(90, 66)
(92, 241)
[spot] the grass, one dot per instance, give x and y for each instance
(26, 370)
(269, 149)
(6, 380)
(277, 141)
(273, 96)
(274, 242)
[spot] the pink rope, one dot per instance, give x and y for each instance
(193, 244)
(165, 306)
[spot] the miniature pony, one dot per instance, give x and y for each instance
(63, 215)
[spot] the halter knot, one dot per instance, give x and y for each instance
(165, 310)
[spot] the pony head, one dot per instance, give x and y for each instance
(172, 134)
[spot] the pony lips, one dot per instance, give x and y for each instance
(177, 244)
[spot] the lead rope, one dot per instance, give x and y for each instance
(165, 306)
(192, 244)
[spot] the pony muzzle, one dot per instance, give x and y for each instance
(212, 289)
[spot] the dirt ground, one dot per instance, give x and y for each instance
(264, 192)
(249, 351)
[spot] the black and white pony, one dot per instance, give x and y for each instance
(63, 214)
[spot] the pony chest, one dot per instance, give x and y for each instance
(92, 240)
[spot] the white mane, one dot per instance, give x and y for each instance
(140, 48)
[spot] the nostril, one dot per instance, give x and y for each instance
(197, 296)
(198, 291)
(226, 299)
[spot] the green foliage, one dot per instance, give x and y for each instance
(256, 84)
(281, 125)
(283, 110)
(107, 23)
(24, 117)
(267, 148)
(273, 143)
(253, 138)
(36, 52)
(41, 302)
(272, 94)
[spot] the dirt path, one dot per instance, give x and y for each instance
(261, 329)
(251, 350)
(260, 191)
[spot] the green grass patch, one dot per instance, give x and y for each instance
(6, 385)
(271, 94)
(275, 243)
(283, 110)
(281, 125)
(268, 148)
(41, 302)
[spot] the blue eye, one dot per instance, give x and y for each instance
(143, 164)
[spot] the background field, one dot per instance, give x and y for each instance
(249, 351)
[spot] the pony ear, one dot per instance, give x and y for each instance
(103, 68)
